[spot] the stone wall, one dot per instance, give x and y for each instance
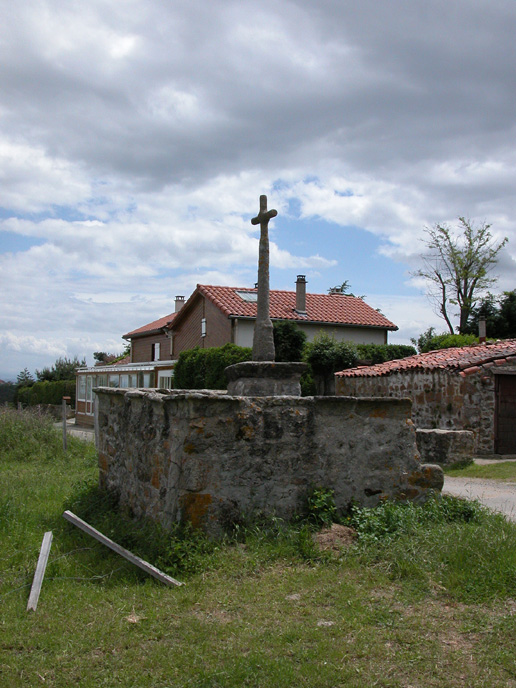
(440, 398)
(205, 456)
(445, 447)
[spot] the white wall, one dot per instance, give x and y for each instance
(244, 330)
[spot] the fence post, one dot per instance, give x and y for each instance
(65, 400)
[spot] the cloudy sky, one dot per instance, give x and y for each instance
(136, 137)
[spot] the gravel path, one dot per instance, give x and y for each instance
(495, 494)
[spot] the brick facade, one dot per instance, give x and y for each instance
(188, 333)
(142, 348)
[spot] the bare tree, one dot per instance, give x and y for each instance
(457, 266)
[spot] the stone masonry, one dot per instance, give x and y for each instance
(207, 457)
(440, 399)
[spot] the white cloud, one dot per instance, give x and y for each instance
(137, 136)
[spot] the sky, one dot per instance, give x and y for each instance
(136, 138)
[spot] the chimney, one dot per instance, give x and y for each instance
(180, 302)
(301, 294)
(481, 330)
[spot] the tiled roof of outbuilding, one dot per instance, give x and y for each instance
(464, 360)
(154, 326)
(320, 308)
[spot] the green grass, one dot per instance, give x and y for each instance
(426, 597)
(505, 470)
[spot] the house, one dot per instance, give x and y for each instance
(464, 388)
(214, 316)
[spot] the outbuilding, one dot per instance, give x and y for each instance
(463, 388)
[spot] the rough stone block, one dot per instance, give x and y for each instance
(445, 446)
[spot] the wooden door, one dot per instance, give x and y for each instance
(505, 442)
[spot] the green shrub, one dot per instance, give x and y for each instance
(204, 368)
(218, 359)
(289, 341)
(320, 506)
(429, 341)
(47, 392)
(379, 353)
(325, 356)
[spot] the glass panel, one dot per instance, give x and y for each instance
(165, 381)
(102, 380)
(89, 387)
(249, 296)
(133, 380)
(124, 381)
(114, 380)
(81, 392)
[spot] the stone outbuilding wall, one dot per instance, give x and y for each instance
(440, 399)
(453, 389)
(207, 457)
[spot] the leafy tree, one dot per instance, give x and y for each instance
(422, 343)
(457, 266)
(103, 358)
(25, 379)
(429, 341)
(63, 369)
(326, 356)
(289, 341)
(499, 312)
(344, 288)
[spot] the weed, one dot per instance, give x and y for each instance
(320, 506)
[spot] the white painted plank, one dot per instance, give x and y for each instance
(40, 571)
(145, 566)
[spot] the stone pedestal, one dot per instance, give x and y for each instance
(265, 379)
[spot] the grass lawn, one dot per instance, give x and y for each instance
(505, 470)
(425, 597)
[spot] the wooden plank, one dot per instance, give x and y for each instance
(40, 571)
(145, 566)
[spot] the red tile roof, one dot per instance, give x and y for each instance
(465, 360)
(320, 308)
(154, 326)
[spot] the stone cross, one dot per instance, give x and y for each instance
(263, 340)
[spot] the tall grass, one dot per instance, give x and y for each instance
(425, 596)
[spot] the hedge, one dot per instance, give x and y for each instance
(47, 392)
(204, 368)
(379, 353)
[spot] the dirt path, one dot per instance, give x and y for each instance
(495, 494)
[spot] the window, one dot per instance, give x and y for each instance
(165, 382)
(148, 379)
(81, 392)
(133, 379)
(89, 387)
(155, 351)
(203, 327)
(124, 381)
(249, 296)
(114, 380)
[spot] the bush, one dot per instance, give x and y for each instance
(325, 356)
(47, 393)
(429, 341)
(289, 341)
(320, 507)
(379, 353)
(7, 393)
(204, 368)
